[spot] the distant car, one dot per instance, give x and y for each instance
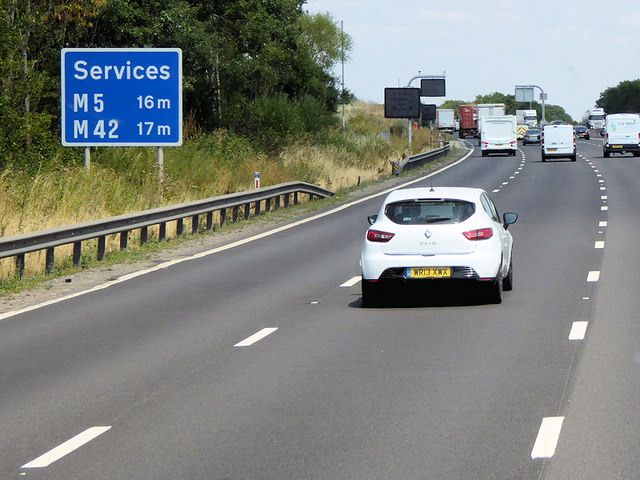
(532, 135)
(582, 132)
(444, 233)
(557, 122)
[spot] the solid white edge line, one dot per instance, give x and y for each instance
(351, 282)
(547, 439)
(593, 276)
(229, 246)
(255, 337)
(578, 330)
(66, 448)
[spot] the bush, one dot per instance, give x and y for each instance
(273, 122)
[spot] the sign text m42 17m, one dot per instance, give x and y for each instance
(121, 96)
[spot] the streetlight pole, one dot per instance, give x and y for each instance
(416, 77)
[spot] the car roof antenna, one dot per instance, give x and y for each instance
(432, 190)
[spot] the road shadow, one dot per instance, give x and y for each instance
(432, 294)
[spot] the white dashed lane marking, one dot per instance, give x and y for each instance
(547, 438)
(255, 337)
(66, 448)
(593, 276)
(351, 282)
(578, 330)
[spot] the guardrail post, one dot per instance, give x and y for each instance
(77, 253)
(257, 208)
(180, 227)
(20, 265)
(49, 259)
(247, 211)
(295, 198)
(195, 223)
(210, 221)
(124, 240)
(234, 215)
(223, 216)
(144, 235)
(267, 205)
(102, 243)
(276, 205)
(286, 200)
(162, 233)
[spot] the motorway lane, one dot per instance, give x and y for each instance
(601, 434)
(442, 389)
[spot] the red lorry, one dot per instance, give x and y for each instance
(468, 118)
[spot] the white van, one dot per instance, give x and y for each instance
(558, 141)
(621, 134)
(498, 135)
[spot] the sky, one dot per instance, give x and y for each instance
(573, 50)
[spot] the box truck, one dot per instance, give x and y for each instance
(593, 118)
(558, 141)
(527, 117)
(468, 118)
(498, 134)
(621, 134)
(445, 119)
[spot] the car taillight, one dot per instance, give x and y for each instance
(479, 234)
(378, 236)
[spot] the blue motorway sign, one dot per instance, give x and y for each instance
(121, 96)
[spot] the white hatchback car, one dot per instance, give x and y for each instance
(444, 233)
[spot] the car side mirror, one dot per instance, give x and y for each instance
(372, 219)
(602, 133)
(508, 219)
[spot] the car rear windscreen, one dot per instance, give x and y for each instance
(424, 212)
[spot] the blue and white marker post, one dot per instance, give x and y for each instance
(121, 97)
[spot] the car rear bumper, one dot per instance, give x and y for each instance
(393, 267)
(616, 147)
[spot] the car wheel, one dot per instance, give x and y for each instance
(507, 282)
(573, 158)
(370, 294)
(544, 159)
(484, 153)
(495, 290)
(605, 154)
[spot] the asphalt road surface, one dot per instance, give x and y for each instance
(257, 361)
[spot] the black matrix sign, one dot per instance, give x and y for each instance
(402, 102)
(432, 87)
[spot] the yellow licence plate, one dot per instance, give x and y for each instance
(552, 149)
(616, 146)
(429, 272)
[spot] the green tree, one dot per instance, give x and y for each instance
(624, 98)
(327, 43)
